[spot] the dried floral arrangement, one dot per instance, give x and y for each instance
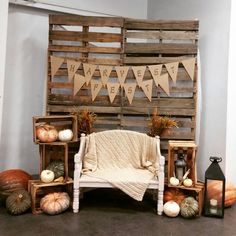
(86, 120)
(160, 124)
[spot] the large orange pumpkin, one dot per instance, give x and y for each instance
(214, 191)
(174, 194)
(12, 180)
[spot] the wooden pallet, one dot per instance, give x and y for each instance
(121, 41)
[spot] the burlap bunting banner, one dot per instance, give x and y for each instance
(189, 65)
(139, 73)
(122, 72)
(72, 67)
(155, 71)
(88, 71)
(147, 88)
(163, 82)
(129, 91)
(79, 81)
(112, 89)
(172, 69)
(105, 72)
(96, 86)
(56, 63)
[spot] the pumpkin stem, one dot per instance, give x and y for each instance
(20, 197)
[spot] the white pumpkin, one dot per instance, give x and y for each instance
(47, 176)
(171, 208)
(65, 135)
(188, 182)
(174, 181)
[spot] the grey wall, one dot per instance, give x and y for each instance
(214, 17)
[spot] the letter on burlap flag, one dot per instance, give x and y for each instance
(122, 72)
(139, 73)
(56, 63)
(96, 86)
(72, 67)
(155, 71)
(172, 69)
(189, 65)
(163, 82)
(105, 72)
(129, 91)
(147, 88)
(88, 71)
(112, 89)
(79, 81)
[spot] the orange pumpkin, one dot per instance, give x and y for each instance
(214, 191)
(174, 194)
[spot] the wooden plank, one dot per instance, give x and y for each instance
(81, 36)
(76, 20)
(165, 48)
(139, 24)
(171, 35)
(82, 49)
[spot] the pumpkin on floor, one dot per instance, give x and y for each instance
(18, 202)
(11, 181)
(57, 167)
(214, 191)
(174, 194)
(189, 207)
(55, 203)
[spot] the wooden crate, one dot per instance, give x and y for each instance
(197, 192)
(189, 148)
(118, 41)
(38, 190)
(59, 121)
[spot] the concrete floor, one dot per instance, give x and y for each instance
(110, 212)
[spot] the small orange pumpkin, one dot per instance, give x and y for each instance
(174, 194)
(214, 191)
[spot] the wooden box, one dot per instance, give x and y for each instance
(60, 122)
(197, 192)
(189, 149)
(38, 190)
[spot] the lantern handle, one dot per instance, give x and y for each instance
(215, 159)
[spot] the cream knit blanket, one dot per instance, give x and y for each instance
(126, 159)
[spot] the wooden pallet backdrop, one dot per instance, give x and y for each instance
(121, 41)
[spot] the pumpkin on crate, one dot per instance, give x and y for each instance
(174, 194)
(189, 207)
(13, 180)
(57, 167)
(214, 191)
(18, 202)
(55, 203)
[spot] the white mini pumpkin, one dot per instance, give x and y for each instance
(171, 208)
(65, 135)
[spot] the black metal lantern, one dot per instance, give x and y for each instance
(180, 166)
(214, 189)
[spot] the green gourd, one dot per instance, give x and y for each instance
(57, 167)
(18, 202)
(189, 207)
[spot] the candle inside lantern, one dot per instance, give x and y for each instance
(213, 206)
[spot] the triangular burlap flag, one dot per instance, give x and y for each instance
(56, 63)
(96, 86)
(147, 88)
(155, 71)
(172, 69)
(88, 71)
(112, 89)
(139, 73)
(105, 72)
(122, 72)
(189, 65)
(79, 81)
(72, 67)
(129, 91)
(163, 81)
